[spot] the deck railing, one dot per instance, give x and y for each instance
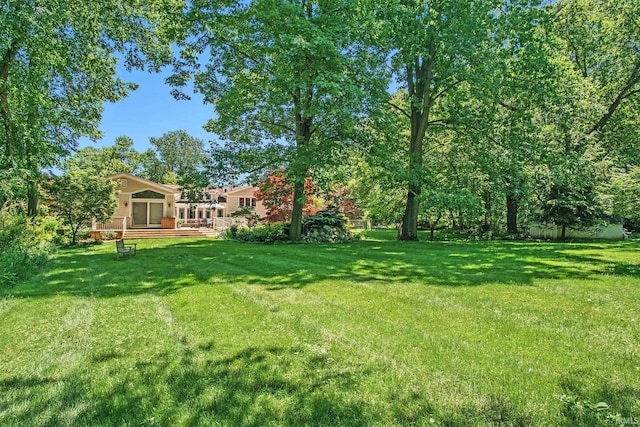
(218, 223)
(117, 223)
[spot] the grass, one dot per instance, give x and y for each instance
(199, 332)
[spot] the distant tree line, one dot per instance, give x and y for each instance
(481, 115)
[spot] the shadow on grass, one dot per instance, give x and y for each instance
(253, 387)
(605, 404)
(250, 388)
(167, 266)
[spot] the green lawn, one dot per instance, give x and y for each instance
(376, 332)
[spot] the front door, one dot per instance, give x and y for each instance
(139, 214)
(147, 214)
(155, 213)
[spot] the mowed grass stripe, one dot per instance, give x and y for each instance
(390, 351)
(524, 353)
(377, 332)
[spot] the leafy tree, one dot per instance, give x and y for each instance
(276, 193)
(179, 152)
(58, 66)
(436, 204)
(625, 194)
(121, 157)
(435, 47)
(596, 46)
(572, 200)
(80, 196)
(153, 169)
(344, 202)
(287, 78)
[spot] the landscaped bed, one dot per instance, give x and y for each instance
(373, 332)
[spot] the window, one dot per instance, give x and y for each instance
(147, 194)
(248, 201)
(123, 183)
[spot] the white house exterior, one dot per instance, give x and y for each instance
(143, 203)
(609, 232)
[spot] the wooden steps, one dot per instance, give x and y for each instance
(169, 233)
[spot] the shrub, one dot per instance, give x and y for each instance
(108, 235)
(330, 217)
(24, 246)
(327, 226)
(264, 233)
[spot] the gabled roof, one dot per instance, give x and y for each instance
(154, 185)
(239, 189)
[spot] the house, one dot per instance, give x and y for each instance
(143, 203)
(550, 231)
(146, 204)
(219, 203)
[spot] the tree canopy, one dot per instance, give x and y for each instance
(479, 114)
(57, 68)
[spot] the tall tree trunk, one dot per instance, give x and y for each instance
(5, 112)
(32, 198)
(563, 236)
(304, 125)
(419, 79)
(295, 227)
(513, 205)
(409, 230)
(486, 226)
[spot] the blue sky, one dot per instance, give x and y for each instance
(151, 111)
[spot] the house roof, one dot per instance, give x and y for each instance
(154, 185)
(239, 190)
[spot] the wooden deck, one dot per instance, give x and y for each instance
(160, 233)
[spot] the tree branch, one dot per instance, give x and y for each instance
(279, 125)
(633, 79)
(446, 89)
(404, 113)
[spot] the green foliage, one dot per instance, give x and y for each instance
(180, 153)
(262, 233)
(583, 412)
(326, 226)
(330, 217)
(121, 157)
(24, 245)
(291, 80)
(79, 197)
(625, 193)
(58, 66)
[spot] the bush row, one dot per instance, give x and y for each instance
(328, 226)
(24, 246)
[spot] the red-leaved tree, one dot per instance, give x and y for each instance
(276, 194)
(346, 205)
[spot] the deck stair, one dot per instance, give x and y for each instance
(159, 233)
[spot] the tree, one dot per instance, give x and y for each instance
(79, 197)
(179, 152)
(58, 66)
(287, 78)
(572, 200)
(121, 157)
(596, 43)
(625, 193)
(276, 193)
(342, 199)
(436, 204)
(435, 47)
